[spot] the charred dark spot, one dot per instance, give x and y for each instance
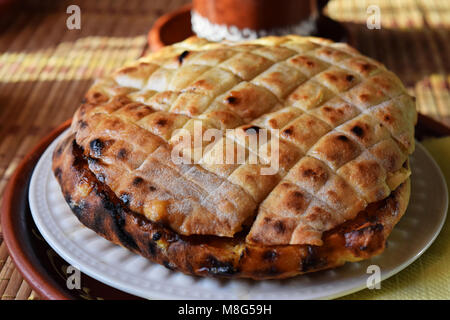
(156, 236)
(308, 173)
(243, 253)
(232, 100)
(331, 77)
(280, 227)
(246, 251)
(77, 162)
(310, 63)
(137, 181)
(100, 177)
(270, 255)
(357, 239)
(387, 118)
(92, 161)
(68, 197)
(152, 248)
(97, 146)
(252, 129)
(312, 261)
(174, 237)
(161, 122)
(349, 78)
(169, 265)
(77, 147)
(288, 131)
(342, 138)
(58, 173)
(377, 228)
(152, 188)
(358, 131)
(364, 97)
(219, 268)
(122, 154)
(100, 223)
(366, 66)
(118, 221)
(315, 175)
(182, 56)
(76, 209)
(298, 203)
(297, 194)
(125, 197)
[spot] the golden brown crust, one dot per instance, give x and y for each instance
(329, 103)
(97, 207)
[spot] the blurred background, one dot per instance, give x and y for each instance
(45, 69)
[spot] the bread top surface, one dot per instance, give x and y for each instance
(344, 126)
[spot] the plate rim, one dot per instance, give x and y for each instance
(87, 269)
(17, 253)
(407, 263)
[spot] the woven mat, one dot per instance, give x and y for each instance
(45, 69)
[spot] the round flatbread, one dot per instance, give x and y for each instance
(343, 126)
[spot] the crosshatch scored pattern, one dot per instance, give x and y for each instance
(411, 43)
(346, 127)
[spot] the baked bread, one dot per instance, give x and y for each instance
(344, 127)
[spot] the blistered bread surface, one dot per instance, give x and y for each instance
(345, 126)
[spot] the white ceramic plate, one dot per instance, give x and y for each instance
(124, 270)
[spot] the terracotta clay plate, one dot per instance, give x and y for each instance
(175, 26)
(41, 267)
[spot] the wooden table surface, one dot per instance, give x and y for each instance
(45, 68)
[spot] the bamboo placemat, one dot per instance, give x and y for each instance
(45, 68)
(414, 42)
